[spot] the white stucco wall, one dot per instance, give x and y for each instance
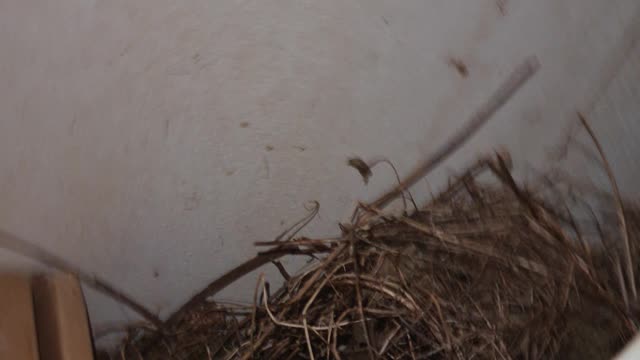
(153, 142)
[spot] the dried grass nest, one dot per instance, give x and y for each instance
(481, 271)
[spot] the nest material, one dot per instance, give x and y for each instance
(482, 271)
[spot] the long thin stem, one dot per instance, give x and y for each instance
(624, 231)
(514, 82)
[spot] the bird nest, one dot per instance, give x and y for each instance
(485, 270)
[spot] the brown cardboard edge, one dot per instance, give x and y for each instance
(61, 318)
(22, 342)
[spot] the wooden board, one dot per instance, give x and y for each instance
(61, 317)
(17, 326)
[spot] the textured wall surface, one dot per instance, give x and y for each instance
(153, 142)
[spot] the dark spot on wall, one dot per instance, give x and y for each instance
(268, 148)
(167, 123)
(502, 7)
(229, 172)
(192, 201)
(195, 58)
(125, 50)
(385, 20)
(267, 169)
(244, 124)
(281, 222)
(300, 148)
(459, 66)
(156, 274)
(72, 126)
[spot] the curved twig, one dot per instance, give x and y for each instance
(25, 248)
(514, 82)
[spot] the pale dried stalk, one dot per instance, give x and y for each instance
(624, 231)
(374, 285)
(299, 326)
(466, 244)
